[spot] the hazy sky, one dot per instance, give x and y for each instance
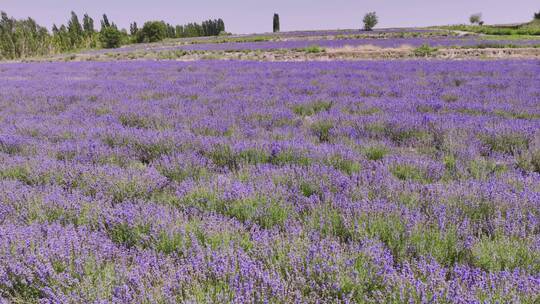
(249, 16)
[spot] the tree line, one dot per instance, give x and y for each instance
(158, 30)
(25, 38)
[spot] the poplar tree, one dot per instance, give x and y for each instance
(276, 23)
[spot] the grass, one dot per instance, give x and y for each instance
(527, 29)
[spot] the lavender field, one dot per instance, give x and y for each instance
(249, 182)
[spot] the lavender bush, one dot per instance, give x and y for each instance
(246, 182)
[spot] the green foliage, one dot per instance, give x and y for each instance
(409, 172)
(371, 281)
(388, 228)
(152, 31)
(24, 292)
(443, 246)
(128, 236)
(22, 38)
(314, 49)
(370, 20)
(507, 143)
(254, 156)
(312, 108)
(287, 157)
(309, 188)
(264, 211)
(517, 115)
(75, 31)
(321, 129)
(346, 166)
(224, 156)
(330, 222)
(529, 161)
(25, 38)
(207, 28)
(475, 18)
(535, 160)
(482, 169)
(110, 37)
(532, 28)
(503, 253)
(424, 51)
(88, 25)
(404, 136)
(376, 152)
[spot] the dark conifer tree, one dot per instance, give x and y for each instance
(276, 23)
(105, 22)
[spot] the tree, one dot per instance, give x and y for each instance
(22, 38)
(221, 26)
(276, 23)
(105, 22)
(370, 20)
(133, 29)
(88, 25)
(180, 31)
(110, 37)
(152, 31)
(475, 18)
(75, 30)
(537, 16)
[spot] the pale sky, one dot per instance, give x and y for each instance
(253, 16)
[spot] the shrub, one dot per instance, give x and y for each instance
(314, 49)
(370, 20)
(424, 51)
(110, 37)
